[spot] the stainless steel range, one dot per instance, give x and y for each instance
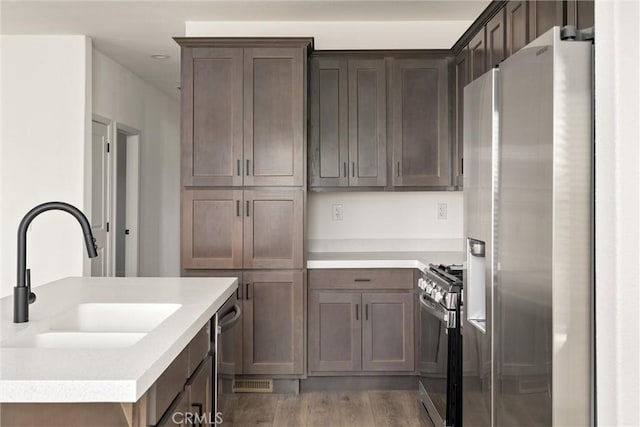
(441, 344)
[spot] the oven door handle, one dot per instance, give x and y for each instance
(446, 317)
(227, 322)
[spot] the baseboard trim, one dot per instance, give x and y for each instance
(358, 383)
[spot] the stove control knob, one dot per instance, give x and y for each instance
(428, 287)
(434, 291)
(422, 284)
(439, 295)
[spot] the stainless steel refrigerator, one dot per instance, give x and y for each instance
(528, 196)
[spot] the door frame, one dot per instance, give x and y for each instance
(89, 194)
(132, 215)
(134, 139)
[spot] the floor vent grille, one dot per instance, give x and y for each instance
(253, 386)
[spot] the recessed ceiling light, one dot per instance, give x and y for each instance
(160, 56)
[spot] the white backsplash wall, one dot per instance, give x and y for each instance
(385, 221)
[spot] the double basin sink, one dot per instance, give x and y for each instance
(98, 325)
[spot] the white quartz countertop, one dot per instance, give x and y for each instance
(102, 374)
(419, 260)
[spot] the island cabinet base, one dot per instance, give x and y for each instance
(72, 414)
(182, 391)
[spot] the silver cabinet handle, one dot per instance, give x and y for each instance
(398, 169)
(366, 312)
(238, 167)
(353, 169)
(248, 168)
(247, 208)
(356, 311)
(361, 280)
(344, 169)
(237, 207)
(246, 291)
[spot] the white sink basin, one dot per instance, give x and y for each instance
(78, 340)
(114, 317)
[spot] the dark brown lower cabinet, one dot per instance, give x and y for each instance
(335, 335)
(273, 322)
(387, 331)
(361, 332)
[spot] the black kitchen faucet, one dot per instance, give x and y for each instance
(22, 295)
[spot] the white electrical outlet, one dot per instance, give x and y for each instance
(336, 212)
(442, 211)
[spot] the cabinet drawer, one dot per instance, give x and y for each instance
(198, 349)
(167, 387)
(361, 279)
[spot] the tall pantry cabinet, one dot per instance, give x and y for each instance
(243, 108)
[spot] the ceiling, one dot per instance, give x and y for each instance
(131, 31)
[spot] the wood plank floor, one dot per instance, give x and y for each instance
(326, 409)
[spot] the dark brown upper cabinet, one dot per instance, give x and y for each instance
(461, 75)
(274, 116)
(367, 123)
(517, 25)
(543, 14)
(243, 112)
(328, 123)
(212, 116)
(496, 44)
(232, 229)
(348, 122)
(420, 122)
(580, 13)
(478, 54)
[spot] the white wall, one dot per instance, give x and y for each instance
(343, 34)
(378, 221)
(44, 129)
(617, 212)
(121, 96)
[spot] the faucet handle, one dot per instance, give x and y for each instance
(32, 296)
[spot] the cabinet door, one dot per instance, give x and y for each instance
(179, 406)
(211, 116)
(367, 123)
(199, 389)
(420, 122)
(335, 335)
(543, 14)
(273, 228)
(388, 332)
(580, 13)
(496, 39)
(274, 116)
(211, 229)
(461, 74)
(517, 23)
(329, 123)
(273, 322)
(478, 55)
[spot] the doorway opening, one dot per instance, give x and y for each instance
(115, 162)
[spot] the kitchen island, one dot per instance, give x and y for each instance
(104, 340)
